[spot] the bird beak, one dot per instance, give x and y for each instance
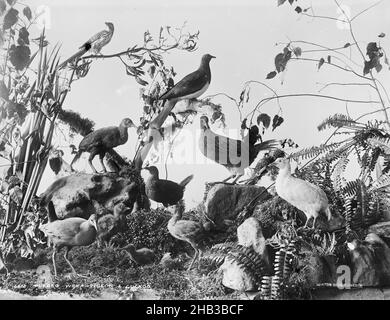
(213, 57)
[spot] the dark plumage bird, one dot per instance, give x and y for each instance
(234, 155)
(164, 191)
(141, 256)
(194, 84)
(186, 230)
(102, 140)
(68, 233)
(94, 45)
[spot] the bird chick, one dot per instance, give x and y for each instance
(68, 233)
(303, 195)
(164, 191)
(141, 256)
(100, 141)
(186, 230)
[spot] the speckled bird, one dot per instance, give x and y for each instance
(302, 194)
(164, 191)
(234, 155)
(94, 45)
(103, 140)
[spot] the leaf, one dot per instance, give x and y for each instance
(297, 51)
(329, 59)
(23, 36)
(276, 122)
(140, 81)
(11, 2)
(382, 35)
(298, 9)
(280, 2)
(271, 75)
(372, 50)
(367, 67)
(291, 1)
(243, 124)
(320, 63)
(10, 18)
(265, 119)
(27, 13)
(19, 56)
(347, 45)
(378, 67)
(3, 7)
(281, 60)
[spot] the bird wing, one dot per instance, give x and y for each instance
(301, 194)
(187, 229)
(95, 37)
(63, 230)
(168, 191)
(104, 137)
(190, 84)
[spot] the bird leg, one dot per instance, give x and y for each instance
(307, 221)
(53, 257)
(90, 162)
(314, 222)
(101, 157)
(193, 259)
(66, 259)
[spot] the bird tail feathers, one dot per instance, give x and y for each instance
(78, 54)
(186, 180)
(267, 145)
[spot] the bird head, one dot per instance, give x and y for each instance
(129, 248)
(152, 170)
(128, 123)
(92, 220)
(204, 123)
(110, 25)
(281, 163)
(207, 58)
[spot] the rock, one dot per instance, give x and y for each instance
(370, 261)
(226, 201)
(235, 277)
(72, 195)
(250, 234)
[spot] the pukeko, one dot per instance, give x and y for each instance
(234, 155)
(102, 140)
(141, 256)
(164, 191)
(68, 233)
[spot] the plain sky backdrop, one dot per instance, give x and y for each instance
(242, 35)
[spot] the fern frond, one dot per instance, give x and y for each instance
(315, 151)
(338, 120)
(382, 143)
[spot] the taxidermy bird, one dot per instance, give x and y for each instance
(94, 45)
(164, 191)
(68, 233)
(192, 85)
(186, 230)
(141, 256)
(102, 140)
(234, 155)
(109, 223)
(303, 195)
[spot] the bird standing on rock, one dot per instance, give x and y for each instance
(164, 191)
(234, 155)
(186, 230)
(303, 195)
(94, 44)
(68, 233)
(141, 256)
(102, 140)
(192, 85)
